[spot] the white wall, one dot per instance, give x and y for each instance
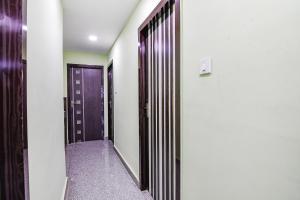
(47, 170)
(125, 56)
(240, 126)
(87, 58)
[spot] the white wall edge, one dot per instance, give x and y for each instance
(134, 173)
(64, 189)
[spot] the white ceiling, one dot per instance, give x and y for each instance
(103, 18)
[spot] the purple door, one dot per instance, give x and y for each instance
(11, 101)
(86, 103)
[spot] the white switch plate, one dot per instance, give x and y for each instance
(205, 66)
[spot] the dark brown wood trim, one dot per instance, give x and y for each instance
(172, 100)
(85, 66)
(154, 95)
(157, 101)
(103, 99)
(156, 11)
(111, 63)
(24, 115)
(162, 44)
(178, 96)
(66, 120)
(127, 168)
(152, 111)
(110, 69)
(142, 96)
(167, 107)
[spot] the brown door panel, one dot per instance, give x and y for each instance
(86, 106)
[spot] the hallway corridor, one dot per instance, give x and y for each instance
(96, 173)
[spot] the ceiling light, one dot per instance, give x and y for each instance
(24, 27)
(93, 38)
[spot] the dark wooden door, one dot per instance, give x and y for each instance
(110, 94)
(11, 100)
(159, 101)
(86, 103)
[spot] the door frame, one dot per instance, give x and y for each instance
(69, 114)
(24, 116)
(112, 134)
(143, 94)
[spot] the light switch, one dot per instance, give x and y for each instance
(205, 66)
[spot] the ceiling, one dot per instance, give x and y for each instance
(103, 18)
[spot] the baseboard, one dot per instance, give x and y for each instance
(63, 196)
(134, 178)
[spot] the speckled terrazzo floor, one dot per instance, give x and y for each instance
(96, 173)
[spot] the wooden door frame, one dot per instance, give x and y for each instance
(110, 68)
(66, 120)
(24, 117)
(80, 66)
(143, 88)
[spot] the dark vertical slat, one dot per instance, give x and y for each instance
(172, 99)
(163, 103)
(155, 110)
(144, 153)
(110, 90)
(146, 104)
(158, 107)
(157, 104)
(102, 104)
(167, 51)
(65, 121)
(151, 107)
(177, 96)
(146, 63)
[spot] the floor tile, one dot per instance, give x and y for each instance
(96, 173)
